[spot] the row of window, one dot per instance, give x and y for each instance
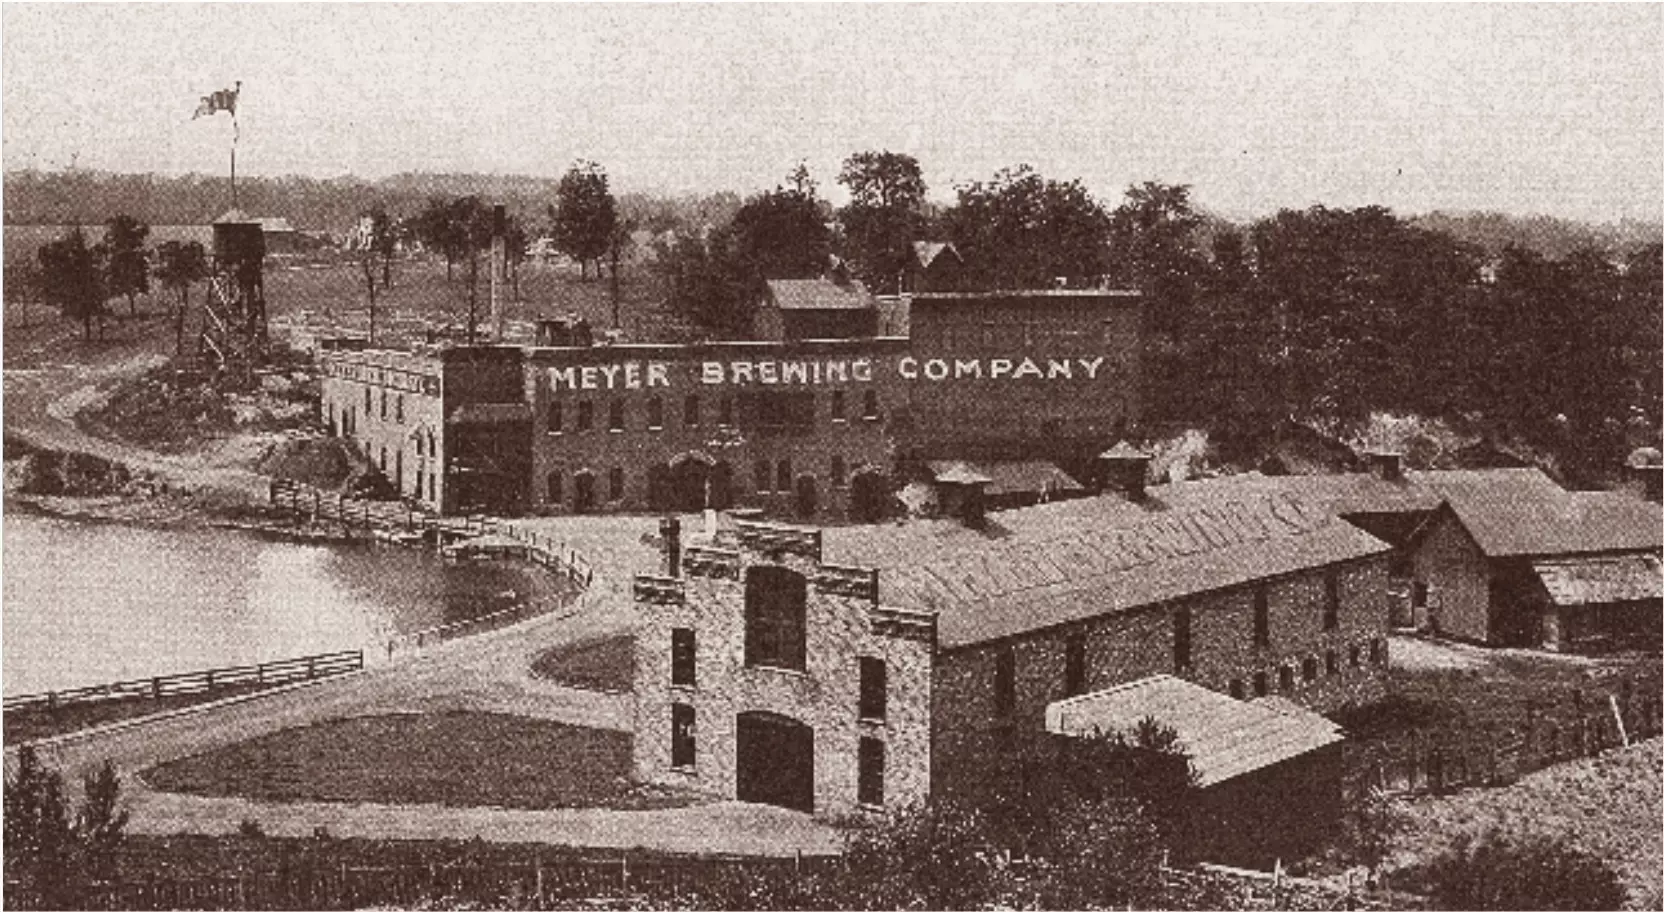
(770, 647)
(1309, 669)
(397, 400)
(869, 755)
(767, 410)
(768, 478)
(1262, 610)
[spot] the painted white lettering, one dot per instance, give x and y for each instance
(1091, 365)
(999, 367)
(1028, 369)
(815, 366)
(967, 368)
(767, 372)
(657, 374)
(632, 375)
(794, 372)
(741, 371)
(589, 375)
(908, 368)
(611, 372)
(1056, 369)
(837, 372)
(936, 369)
(710, 373)
(861, 370)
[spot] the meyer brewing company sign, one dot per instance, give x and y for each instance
(814, 372)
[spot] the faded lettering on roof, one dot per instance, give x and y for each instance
(1005, 569)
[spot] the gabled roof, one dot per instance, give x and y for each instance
(819, 294)
(1031, 476)
(1068, 561)
(1224, 737)
(926, 252)
(1557, 522)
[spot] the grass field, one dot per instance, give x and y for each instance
(29, 725)
(460, 759)
(606, 665)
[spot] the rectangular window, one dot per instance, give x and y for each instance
(763, 474)
(870, 761)
(1259, 684)
(1074, 665)
(655, 413)
(837, 405)
(615, 484)
(681, 657)
(690, 411)
(1378, 651)
(681, 735)
(1331, 600)
(840, 475)
(1005, 682)
(586, 415)
(1308, 669)
(1331, 662)
(869, 405)
(874, 687)
(367, 408)
(1181, 640)
(725, 415)
(615, 415)
(557, 418)
(1262, 618)
(1356, 655)
(1285, 678)
(783, 476)
(1236, 689)
(398, 409)
(384, 405)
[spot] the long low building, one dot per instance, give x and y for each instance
(801, 428)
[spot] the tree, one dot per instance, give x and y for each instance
(884, 216)
(50, 858)
(780, 235)
(585, 216)
(72, 281)
(1500, 871)
(127, 263)
(178, 266)
(1021, 230)
(1154, 248)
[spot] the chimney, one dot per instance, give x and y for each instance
(1123, 468)
(499, 260)
(1387, 465)
(670, 532)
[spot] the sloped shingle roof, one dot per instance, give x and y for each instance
(1601, 580)
(1556, 522)
(1224, 737)
(819, 294)
(1008, 477)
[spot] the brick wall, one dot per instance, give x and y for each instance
(1125, 647)
(1458, 580)
(411, 387)
(840, 629)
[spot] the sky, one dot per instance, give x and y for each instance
(1554, 109)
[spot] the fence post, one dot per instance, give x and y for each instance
(539, 878)
(311, 667)
(156, 688)
(51, 701)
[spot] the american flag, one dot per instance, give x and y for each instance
(223, 100)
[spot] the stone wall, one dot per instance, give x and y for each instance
(843, 624)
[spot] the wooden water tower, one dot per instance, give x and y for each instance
(235, 338)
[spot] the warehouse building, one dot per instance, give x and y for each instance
(1242, 594)
(800, 428)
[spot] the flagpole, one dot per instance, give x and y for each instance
(233, 161)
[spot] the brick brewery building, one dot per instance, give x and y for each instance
(796, 426)
(847, 667)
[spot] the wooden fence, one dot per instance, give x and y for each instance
(1492, 757)
(1223, 887)
(594, 882)
(283, 671)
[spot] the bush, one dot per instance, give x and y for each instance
(1499, 871)
(50, 860)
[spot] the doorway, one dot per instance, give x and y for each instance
(775, 761)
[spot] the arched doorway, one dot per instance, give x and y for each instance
(869, 495)
(690, 474)
(583, 492)
(774, 761)
(805, 498)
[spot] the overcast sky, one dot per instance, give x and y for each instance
(1552, 109)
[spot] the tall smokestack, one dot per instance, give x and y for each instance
(1387, 465)
(499, 260)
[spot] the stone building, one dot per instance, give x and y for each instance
(1247, 594)
(765, 674)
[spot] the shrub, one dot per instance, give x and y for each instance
(50, 859)
(1499, 871)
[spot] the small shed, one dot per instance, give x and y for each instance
(816, 309)
(1270, 770)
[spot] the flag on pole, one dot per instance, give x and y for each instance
(223, 100)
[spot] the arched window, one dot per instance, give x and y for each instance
(554, 487)
(775, 600)
(433, 450)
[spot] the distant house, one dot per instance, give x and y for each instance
(934, 266)
(1530, 564)
(816, 309)
(281, 237)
